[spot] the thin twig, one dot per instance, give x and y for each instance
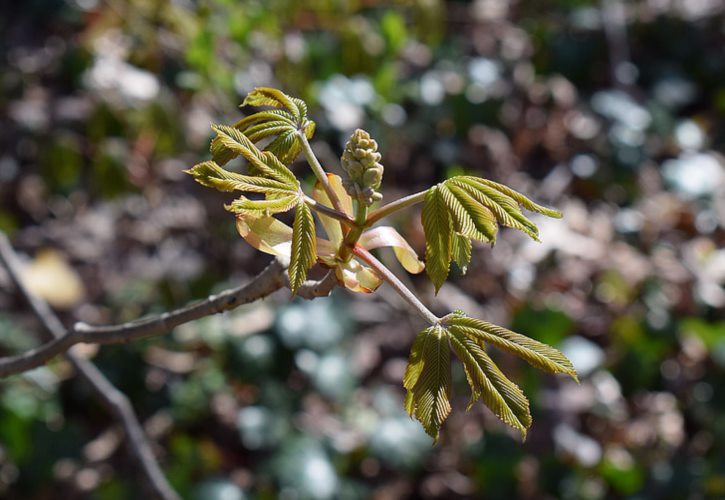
(114, 400)
(330, 212)
(387, 275)
(267, 282)
(319, 172)
(394, 206)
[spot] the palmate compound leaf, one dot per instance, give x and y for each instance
(427, 376)
(288, 117)
(466, 208)
(428, 379)
(304, 248)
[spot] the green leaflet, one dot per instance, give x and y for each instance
(438, 233)
(535, 353)
(482, 218)
(503, 397)
(461, 252)
(304, 249)
(473, 208)
(230, 141)
(429, 380)
(262, 208)
(284, 122)
(520, 198)
(211, 175)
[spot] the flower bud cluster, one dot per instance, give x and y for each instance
(363, 171)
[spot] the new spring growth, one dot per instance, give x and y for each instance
(361, 165)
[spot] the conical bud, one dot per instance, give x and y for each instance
(361, 165)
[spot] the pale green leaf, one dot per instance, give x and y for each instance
(431, 392)
(521, 199)
(482, 218)
(462, 221)
(438, 228)
(415, 361)
(286, 146)
(259, 208)
(265, 96)
(228, 144)
(285, 121)
(488, 383)
(505, 209)
(264, 163)
(303, 246)
(534, 352)
(461, 252)
(269, 115)
(210, 174)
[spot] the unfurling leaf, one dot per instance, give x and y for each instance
(211, 175)
(428, 379)
(535, 353)
(304, 248)
(438, 233)
(282, 123)
(261, 208)
(231, 143)
(467, 208)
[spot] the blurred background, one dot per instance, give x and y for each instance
(611, 111)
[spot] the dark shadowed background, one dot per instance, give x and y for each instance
(611, 111)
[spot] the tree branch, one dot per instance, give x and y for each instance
(114, 400)
(271, 279)
(267, 282)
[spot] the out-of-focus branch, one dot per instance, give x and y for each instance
(267, 282)
(114, 400)
(271, 279)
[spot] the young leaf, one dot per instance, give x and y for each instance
(211, 175)
(487, 382)
(284, 122)
(535, 353)
(461, 252)
(303, 246)
(505, 209)
(520, 199)
(438, 228)
(482, 218)
(430, 396)
(260, 208)
(232, 141)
